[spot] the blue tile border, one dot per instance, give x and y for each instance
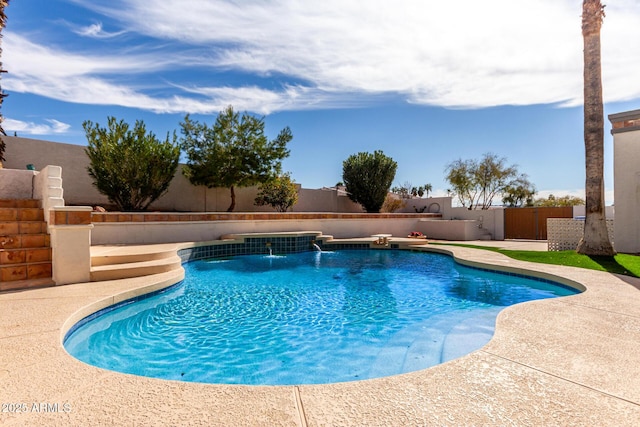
(260, 246)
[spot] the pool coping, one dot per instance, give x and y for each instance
(571, 360)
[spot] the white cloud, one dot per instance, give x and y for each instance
(455, 53)
(27, 59)
(461, 53)
(96, 31)
(51, 126)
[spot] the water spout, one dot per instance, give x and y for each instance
(316, 247)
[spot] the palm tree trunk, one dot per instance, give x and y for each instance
(595, 240)
(3, 21)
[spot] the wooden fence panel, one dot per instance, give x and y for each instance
(531, 223)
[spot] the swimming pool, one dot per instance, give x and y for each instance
(305, 318)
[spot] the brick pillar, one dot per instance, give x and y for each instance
(70, 228)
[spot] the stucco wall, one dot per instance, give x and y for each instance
(16, 184)
(626, 173)
(490, 220)
(182, 195)
(163, 232)
(78, 189)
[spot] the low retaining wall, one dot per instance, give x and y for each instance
(148, 228)
(451, 229)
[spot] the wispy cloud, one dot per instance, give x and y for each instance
(95, 30)
(31, 128)
(460, 54)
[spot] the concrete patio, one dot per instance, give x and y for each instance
(565, 361)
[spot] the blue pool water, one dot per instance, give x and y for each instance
(305, 318)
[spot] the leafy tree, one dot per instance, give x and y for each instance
(553, 201)
(131, 167)
(477, 183)
(281, 193)
(368, 178)
(233, 152)
(461, 176)
(595, 240)
(519, 192)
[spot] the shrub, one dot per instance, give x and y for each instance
(281, 193)
(368, 178)
(131, 167)
(392, 204)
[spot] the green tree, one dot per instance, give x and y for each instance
(131, 167)
(461, 176)
(595, 240)
(519, 192)
(477, 183)
(368, 178)
(553, 201)
(280, 192)
(233, 152)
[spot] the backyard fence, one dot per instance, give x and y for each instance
(563, 234)
(531, 223)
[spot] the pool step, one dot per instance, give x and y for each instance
(109, 255)
(412, 348)
(122, 262)
(437, 340)
(470, 334)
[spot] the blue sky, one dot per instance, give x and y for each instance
(425, 82)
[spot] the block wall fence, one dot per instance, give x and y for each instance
(182, 196)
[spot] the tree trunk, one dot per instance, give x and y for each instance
(232, 206)
(595, 240)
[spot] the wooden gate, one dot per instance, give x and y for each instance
(531, 223)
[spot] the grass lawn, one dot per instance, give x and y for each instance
(628, 265)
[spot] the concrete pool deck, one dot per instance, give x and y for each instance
(566, 361)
